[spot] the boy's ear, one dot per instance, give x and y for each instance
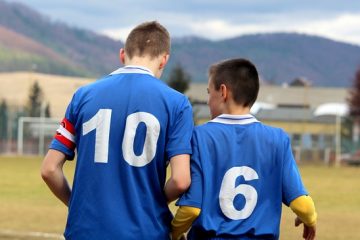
(122, 55)
(224, 92)
(164, 61)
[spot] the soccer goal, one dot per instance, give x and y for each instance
(35, 134)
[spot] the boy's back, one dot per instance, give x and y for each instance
(243, 170)
(127, 182)
(125, 128)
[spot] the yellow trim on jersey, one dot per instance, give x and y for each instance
(183, 220)
(304, 208)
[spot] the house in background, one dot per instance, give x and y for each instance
(293, 108)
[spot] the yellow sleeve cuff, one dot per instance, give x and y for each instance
(304, 208)
(183, 220)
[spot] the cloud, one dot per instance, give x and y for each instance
(209, 18)
(118, 33)
(343, 27)
(220, 29)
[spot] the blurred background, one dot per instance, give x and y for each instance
(307, 54)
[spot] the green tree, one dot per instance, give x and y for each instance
(47, 110)
(179, 79)
(3, 119)
(33, 106)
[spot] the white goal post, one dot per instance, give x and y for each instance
(38, 127)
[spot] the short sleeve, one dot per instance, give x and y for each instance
(180, 130)
(291, 181)
(193, 197)
(64, 139)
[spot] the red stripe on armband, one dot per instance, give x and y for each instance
(68, 143)
(68, 126)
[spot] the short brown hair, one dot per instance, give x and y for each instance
(148, 38)
(240, 76)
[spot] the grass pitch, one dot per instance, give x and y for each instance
(28, 206)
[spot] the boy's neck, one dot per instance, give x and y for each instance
(229, 106)
(151, 64)
(236, 110)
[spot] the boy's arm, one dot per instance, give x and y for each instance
(180, 179)
(304, 208)
(53, 175)
(183, 220)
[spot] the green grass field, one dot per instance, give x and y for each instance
(26, 204)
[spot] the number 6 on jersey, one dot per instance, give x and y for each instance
(228, 192)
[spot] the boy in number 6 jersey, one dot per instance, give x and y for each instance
(242, 170)
(126, 128)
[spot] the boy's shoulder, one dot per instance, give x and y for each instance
(275, 130)
(275, 133)
(205, 127)
(257, 128)
(93, 85)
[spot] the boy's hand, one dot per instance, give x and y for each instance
(182, 237)
(309, 232)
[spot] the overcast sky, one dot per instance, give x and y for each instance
(212, 19)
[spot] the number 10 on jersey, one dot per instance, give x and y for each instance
(101, 122)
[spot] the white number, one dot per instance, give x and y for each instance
(228, 192)
(152, 135)
(101, 123)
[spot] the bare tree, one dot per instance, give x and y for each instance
(354, 105)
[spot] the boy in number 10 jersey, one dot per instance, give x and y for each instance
(241, 170)
(126, 128)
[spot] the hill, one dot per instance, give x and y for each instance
(19, 52)
(31, 41)
(279, 57)
(85, 53)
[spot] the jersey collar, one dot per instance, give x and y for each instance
(133, 69)
(235, 119)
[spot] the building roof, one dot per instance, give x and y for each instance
(287, 96)
(286, 114)
(337, 109)
(282, 114)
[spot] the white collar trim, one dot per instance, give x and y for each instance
(133, 69)
(235, 119)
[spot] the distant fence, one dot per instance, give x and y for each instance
(33, 136)
(327, 155)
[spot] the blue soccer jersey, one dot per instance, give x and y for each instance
(242, 171)
(125, 128)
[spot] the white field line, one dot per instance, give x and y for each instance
(13, 233)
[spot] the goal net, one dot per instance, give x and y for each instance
(35, 134)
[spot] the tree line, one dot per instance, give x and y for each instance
(37, 107)
(34, 107)
(178, 79)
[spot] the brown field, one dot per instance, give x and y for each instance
(58, 90)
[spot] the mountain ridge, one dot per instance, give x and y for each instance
(82, 47)
(279, 57)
